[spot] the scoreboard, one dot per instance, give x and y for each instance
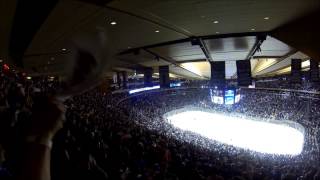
(225, 96)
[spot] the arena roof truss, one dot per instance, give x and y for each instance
(184, 34)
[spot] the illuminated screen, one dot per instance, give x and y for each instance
(229, 97)
(228, 100)
(217, 100)
(216, 96)
(229, 93)
(261, 136)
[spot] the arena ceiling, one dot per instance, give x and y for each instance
(159, 32)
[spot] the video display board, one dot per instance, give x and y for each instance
(229, 97)
(216, 96)
(225, 96)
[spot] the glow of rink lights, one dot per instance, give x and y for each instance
(175, 84)
(259, 136)
(143, 89)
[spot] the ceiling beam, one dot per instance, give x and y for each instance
(267, 57)
(215, 36)
(205, 50)
(171, 61)
(190, 61)
(276, 63)
(282, 68)
(262, 65)
(234, 35)
(256, 46)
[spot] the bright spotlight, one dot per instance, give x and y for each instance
(271, 137)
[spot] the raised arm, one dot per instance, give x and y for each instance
(47, 119)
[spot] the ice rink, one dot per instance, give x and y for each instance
(262, 136)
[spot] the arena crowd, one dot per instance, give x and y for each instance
(118, 136)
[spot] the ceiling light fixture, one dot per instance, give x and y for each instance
(113, 23)
(253, 29)
(216, 22)
(266, 18)
(217, 32)
(157, 31)
(63, 49)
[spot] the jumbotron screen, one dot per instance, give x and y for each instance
(229, 96)
(216, 96)
(225, 96)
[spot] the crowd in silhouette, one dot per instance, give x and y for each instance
(117, 136)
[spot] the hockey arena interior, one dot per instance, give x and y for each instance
(159, 89)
